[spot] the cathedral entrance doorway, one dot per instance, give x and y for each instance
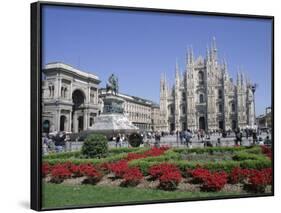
(172, 127)
(184, 126)
(233, 124)
(202, 123)
(221, 125)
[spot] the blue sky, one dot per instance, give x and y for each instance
(139, 46)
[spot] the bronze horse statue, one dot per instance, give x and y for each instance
(112, 84)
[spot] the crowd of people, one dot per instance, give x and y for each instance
(56, 142)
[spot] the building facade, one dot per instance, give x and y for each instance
(206, 97)
(265, 121)
(69, 98)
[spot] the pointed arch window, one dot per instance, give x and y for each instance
(183, 96)
(233, 107)
(201, 98)
(183, 109)
(201, 77)
(220, 94)
(220, 108)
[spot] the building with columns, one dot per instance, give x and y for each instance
(69, 98)
(205, 96)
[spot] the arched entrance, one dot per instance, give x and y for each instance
(62, 123)
(202, 123)
(46, 126)
(78, 98)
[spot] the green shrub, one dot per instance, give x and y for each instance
(254, 150)
(243, 155)
(95, 146)
(184, 165)
(210, 150)
(127, 150)
(135, 140)
(142, 165)
(62, 155)
(256, 164)
(226, 166)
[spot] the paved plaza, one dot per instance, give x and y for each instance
(174, 141)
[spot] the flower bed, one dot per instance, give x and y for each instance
(250, 168)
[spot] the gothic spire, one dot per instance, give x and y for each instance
(187, 57)
(191, 55)
(177, 65)
(177, 73)
(214, 55)
(225, 64)
(238, 77)
(208, 53)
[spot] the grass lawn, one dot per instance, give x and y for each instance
(61, 195)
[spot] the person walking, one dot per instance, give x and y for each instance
(157, 140)
(255, 138)
(118, 140)
(188, 137)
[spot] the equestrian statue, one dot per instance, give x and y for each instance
(112, 84)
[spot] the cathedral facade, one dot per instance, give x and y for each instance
(206, 97)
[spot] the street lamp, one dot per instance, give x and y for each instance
(253, 89)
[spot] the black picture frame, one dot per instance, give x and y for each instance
(36, 109)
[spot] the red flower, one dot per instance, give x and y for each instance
(76, 170)
(104, 167)
(134, 156)
(267, 151)
(198, 174)
(238, 175)
(59, 173)
(93, 176)
(153, 152)
(157, 171)
(258, 180)
(214, 181)
(119, 168)
(169, 180)
(46, 168)
(132, 177)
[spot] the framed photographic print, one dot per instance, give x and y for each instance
(139, 106)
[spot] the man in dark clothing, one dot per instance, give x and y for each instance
(254, 137)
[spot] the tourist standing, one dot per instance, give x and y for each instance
(118, 140)
(255, 138)
(157, 140)
(188, 137)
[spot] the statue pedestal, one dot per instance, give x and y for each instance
(112, 121)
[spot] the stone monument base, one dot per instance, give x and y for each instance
(112, 124)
